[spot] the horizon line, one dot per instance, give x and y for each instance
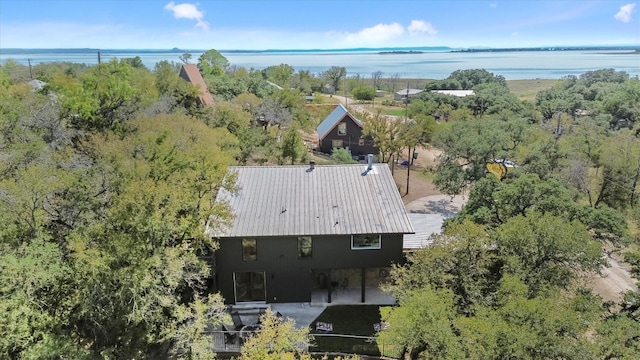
(440, 47)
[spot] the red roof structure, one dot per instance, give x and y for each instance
(190, 73)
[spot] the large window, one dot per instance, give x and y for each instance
(365, 241)
(249, 250)
(304, 247)
(342, 129)
(249, 286)
(336, 144)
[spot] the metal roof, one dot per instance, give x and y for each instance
(459, 93)
(328, 200)
(333, 119)
(409, 91)
(425, 225)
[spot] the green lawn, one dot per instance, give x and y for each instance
(527, 89)
(348, 320)
(395, 112)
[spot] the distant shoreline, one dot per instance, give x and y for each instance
(392, 50)
(400, 52)
(630, 49)
(408, 63)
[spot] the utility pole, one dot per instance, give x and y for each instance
(30, 73)
(346, 99)
(406, 121)
(99, 59)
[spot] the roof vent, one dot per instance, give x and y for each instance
(312, 165)
(369, 165)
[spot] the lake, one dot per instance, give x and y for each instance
(513, 65)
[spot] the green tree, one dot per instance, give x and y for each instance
(135, 62)
(557, 100)
(620, 171)
(279, 74)
(186, 57)
(108, 239)
(385, 133)
(277, 339)
(180, 93)
(363, 93)
(460, 260)
(493, 98)
(467, 79)
(521, 327)
(546, 250)
(342, 156)
(292, 146)
(211, 62)
(469, 145)
(105, 97)
(334, 75)
(421, 326)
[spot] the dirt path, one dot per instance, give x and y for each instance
(614, 280)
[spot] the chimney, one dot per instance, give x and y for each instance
(312, 165)
(369, 162)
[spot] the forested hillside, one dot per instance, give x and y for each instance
(108, 175)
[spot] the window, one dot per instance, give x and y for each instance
(250, 286)
(336, 144)
(304, 247)
(361, 142)
(365, 241)
(249, 250)
(342, 129)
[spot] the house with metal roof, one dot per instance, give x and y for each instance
(408, 93)
(457, 93)
(340, 129)
(301, 230)
(190, 73)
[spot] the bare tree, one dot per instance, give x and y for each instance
(391, 82)
(377, 79)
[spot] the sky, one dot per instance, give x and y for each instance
(311, 24)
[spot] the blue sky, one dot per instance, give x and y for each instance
(310, 24)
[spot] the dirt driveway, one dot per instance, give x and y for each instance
(614, 279)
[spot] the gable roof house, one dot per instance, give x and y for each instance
(340, 129)
(190, 73)
(405, 94)
(309, 233)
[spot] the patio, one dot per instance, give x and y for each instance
(351, 296)
(304, 314)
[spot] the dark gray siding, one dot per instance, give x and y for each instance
(350, 140)
(289, 279)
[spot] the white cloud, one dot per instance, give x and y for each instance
(376, 34)
(625, 12)
(421, 27)
(493, 4)
(188, 11)
(515, 34)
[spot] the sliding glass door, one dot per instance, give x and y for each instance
(249, 286)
